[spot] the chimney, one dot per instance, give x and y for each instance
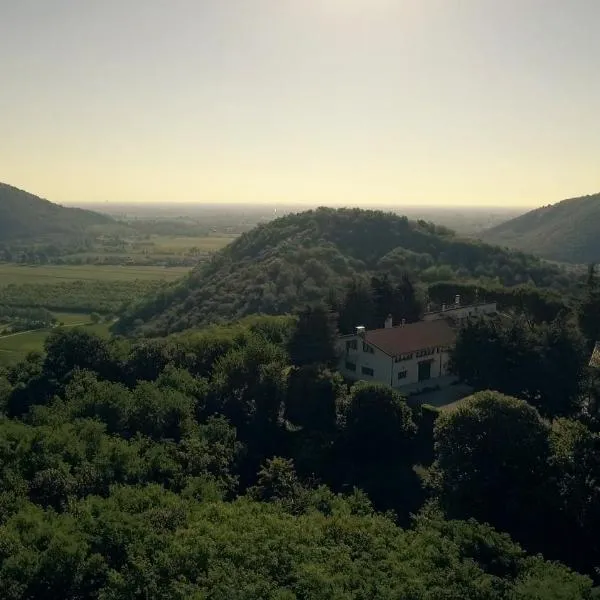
(389, 322)
(457, 300)
(360, 330)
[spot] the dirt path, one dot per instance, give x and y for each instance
(4, 337)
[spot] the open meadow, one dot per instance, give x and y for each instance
(15, 347)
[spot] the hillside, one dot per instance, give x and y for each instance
(568, 231)
(280, 266)
(24, 216)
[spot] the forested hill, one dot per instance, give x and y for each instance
(25, 216)
(297, 259)
(567, 231)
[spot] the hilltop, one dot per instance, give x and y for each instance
(568, 231)
(24, 216)
(297, 259)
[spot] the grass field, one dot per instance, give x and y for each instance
(14, 348)
(51, 274)
(172, 244)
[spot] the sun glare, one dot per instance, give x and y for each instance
(353, 8)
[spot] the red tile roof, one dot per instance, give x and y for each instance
(413, 337)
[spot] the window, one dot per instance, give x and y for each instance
(351, 345)
(402, 374)
(350, 366)
(367, 348)
(368, 371)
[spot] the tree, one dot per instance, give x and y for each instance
(492, 464)
(312, 398)
(357, 308)
(277, 481)
(95, 318)
(562, 361)
(379, 423)
(575, 464)
(409, 307)
(314, 339)
(385, 301)
(543, 364)
(76, 348)
(589, 309)
(375, 448)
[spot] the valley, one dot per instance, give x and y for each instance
(331, 370)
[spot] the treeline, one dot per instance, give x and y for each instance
(227, 463)
(279, 267)
(20, 319)
(369, 301)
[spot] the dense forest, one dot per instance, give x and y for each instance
(24, 216)
(568, 231)
(278, 267)
(234, 462)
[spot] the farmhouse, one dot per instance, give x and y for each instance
(409, 356)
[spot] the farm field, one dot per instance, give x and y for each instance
(52, 274)
(15, 347)
(166, 244)
(71, 292)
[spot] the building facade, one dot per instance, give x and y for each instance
(405, 356)
(410, 357)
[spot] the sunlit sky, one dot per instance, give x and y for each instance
(442, 102)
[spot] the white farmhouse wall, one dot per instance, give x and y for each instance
(439, 368)
(380, 362)
(385, 368)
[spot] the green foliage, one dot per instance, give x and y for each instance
(491, 463)
(148, 543)
(91, 295)
(376, 446)
(284, 265)
(314, 339)
(589, 309)
(122, 460)
(567, 231)
(534, 304)
(543, 364)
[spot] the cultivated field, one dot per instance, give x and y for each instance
(135, 267)
(52, 274)
(166, 244)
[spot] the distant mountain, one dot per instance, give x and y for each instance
(24, 216)
(568, 231)
(297, 259)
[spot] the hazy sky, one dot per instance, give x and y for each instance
(322, 101)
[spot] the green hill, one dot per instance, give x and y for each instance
(282, 265)
(24, 216)
(568, 231)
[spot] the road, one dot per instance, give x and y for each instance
(3, 337)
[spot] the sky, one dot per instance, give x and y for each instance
(355, 102)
